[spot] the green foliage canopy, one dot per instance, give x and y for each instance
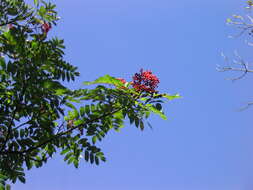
(38, 114)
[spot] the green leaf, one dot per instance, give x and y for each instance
(93, 107)
(7, 187)
(28, 164)
(60, 91)
(21, 178)
(76, 163)
(65, 151)
(96, 160)
(171, 97)
(87, 109)
(72, 114)
(103, 158)
(2, 187)
(86, 156)
(91, 158)
(147, 114)
(141, 125)
(137, 121)
(78, 122)
(36, 2)
(68, 156)
(3, 177)
(82, 111)
(131, 118)
(2, 63)
(54, 86)
(94, 139)
(12, 11)
(107, 79)
(156, 111)
(42, 11)
(68, 77)
(83, 142)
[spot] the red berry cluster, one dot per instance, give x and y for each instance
(145, 81)
(46, 27)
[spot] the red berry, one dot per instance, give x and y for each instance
(145, 81)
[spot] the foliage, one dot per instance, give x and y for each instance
(38, 114)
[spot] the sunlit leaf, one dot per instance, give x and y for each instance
(171, 97)
(107, 79)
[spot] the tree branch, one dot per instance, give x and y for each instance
(60, 134)
(244, 67)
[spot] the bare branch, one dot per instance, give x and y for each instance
(243, 67)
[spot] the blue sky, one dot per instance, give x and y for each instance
(205, 144)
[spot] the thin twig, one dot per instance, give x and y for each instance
(244, 67)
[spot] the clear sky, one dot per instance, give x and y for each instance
(205, 144)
